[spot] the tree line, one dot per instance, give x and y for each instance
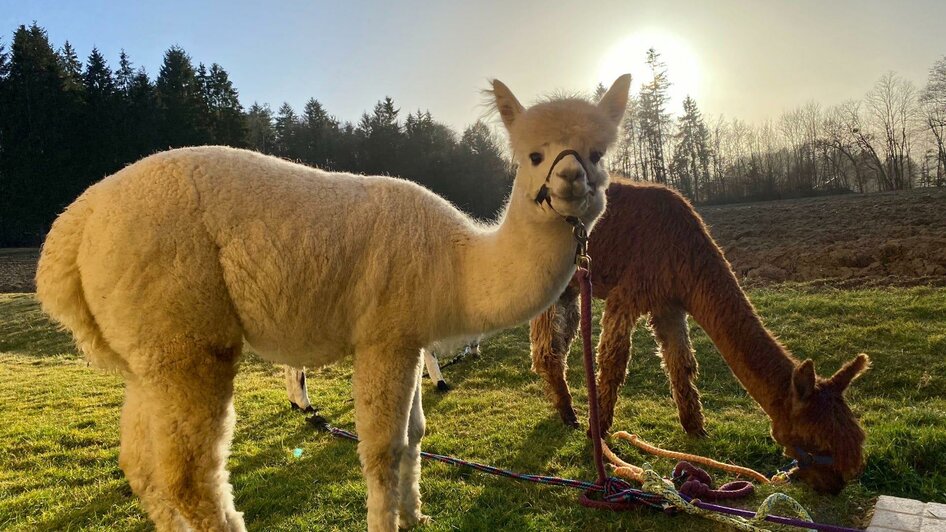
(65, 124)
(891, 139)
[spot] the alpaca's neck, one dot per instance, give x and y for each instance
(756, 358)
(515, 270)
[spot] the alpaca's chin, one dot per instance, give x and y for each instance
(585, 207)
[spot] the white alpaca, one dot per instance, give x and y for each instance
(298, 393)
(164, 268)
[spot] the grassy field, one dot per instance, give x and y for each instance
(59, 434)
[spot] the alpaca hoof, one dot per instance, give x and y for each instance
(604, 432)
(307, 410)
(569, 418)
(404, 522)
(698, 432)
(442, 386)
(319, 422)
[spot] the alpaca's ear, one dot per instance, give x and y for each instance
(615, 100)
(852, 370)
(508, 106)
(803, 379)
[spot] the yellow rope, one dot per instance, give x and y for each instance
(654, 483)
(692, 458)
(621, 468)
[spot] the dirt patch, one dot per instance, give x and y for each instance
(874, 239)
(18, 269)
(887, 239)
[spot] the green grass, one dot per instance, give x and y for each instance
(59, 426)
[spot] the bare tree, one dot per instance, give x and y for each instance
(892, 107)
(934, 115)
(841, 147)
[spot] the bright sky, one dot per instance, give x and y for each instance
(750, 59)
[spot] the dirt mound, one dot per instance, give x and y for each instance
(895, 238)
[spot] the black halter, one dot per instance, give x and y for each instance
(806, 459)
(543, 195)
(578, 227)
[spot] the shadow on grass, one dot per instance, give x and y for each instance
(535, 455)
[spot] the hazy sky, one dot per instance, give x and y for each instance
(745, 59)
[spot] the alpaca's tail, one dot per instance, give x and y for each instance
(59, 286)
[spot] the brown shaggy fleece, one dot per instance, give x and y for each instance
(652, 254)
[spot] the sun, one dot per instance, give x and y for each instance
(630, 55)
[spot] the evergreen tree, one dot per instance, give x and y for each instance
(317, 135)
(286, 128)
(260, 135)
(125, 74)
(37, 128)
(691, 156)
(427, 151)
(4, 62)
(183, 111)
(225, 114)
(348, 154)
(654, 120)
(97, 78)
(484, 173)
(100, 124)
(382, 133)
(141, 121)
(71, 67)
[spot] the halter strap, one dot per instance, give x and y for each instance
(806, 459)
(543, 194)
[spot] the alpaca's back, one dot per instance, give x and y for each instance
(650, 240)
(214, 244)
(654, 248)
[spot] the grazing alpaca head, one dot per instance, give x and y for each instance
(820, 431)
(574, 185)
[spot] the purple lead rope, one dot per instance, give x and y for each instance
(608, 492)
(584, 283)
(629, 494)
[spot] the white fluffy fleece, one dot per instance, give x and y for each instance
(164, 268)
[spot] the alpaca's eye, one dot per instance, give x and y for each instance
(595, 157)
(536, 158)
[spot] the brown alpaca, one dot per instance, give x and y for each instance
(652, 254)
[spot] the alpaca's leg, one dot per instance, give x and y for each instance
(433, 369)
(383, 385)
(296, 389)
(551, 335)
(136, 459)
(614, 352)
(472, 348)
(670, 328)
(192, 416)
(409, 482)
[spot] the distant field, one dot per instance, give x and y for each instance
(17, 269)
(888, 239)
(59, 426)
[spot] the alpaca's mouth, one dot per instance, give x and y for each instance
(587, 190)
(571, 198)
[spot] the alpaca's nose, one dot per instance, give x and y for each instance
(571, 173)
